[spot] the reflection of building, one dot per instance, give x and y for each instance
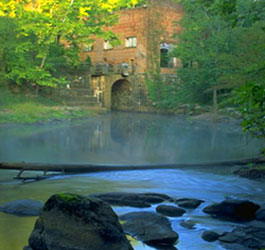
(143, 32)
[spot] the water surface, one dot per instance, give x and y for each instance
(122, 138)
(126, 138)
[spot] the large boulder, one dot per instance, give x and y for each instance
(74, 222)
(140, 200)
(22, 207)
(233, 209)
(151, 228)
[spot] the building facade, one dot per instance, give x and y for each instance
(145, 34)
(117, 79)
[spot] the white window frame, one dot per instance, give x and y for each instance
(107, 45)
(131, 42)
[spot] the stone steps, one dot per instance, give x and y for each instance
(79, 94)
(82, 103)
(87, 98)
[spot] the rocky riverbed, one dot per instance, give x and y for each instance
(69, 221)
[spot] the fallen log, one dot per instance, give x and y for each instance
(89, 168)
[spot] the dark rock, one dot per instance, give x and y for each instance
(170, 210)
(229, 238)
(187, 224)
(165, 197)
(126, 203)
(233, 209)
(260, 214)
(74, 222)
(246, 237)
(234, 246)
(22, 207)
(213, 209)
(210, 236)
(189, 203)
(255, 173)
(140, 200)
(150, 198)
(163, 247)
(151, 228)
(122, 199)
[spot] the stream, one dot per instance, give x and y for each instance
(130, 138)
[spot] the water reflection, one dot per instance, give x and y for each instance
(126, 138)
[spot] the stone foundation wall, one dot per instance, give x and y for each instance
(134, 97)
(78, 91)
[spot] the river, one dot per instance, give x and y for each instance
(128, 138)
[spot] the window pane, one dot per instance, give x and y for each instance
(131, 42)
(107, 45)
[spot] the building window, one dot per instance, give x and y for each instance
(107, 45)
(131, 42)
(88, 47)
(164, 55)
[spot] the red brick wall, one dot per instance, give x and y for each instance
(136, 22)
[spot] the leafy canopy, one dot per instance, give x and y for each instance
(40, 28)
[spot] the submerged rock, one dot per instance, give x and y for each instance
(140, 200)
(170, 211)
(210, 236)
(74, 222)
(23, 207)
(189, 224)
(189, 203)
(233, 209)
(151, 228)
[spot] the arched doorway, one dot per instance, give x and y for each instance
(121, 95)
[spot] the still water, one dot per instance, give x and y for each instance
(127, 138)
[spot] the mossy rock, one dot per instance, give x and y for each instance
(70, 221)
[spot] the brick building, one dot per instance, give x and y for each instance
(146, 38)
(117, 80)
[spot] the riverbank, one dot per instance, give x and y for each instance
(28, 108)
(20, 106)
(252, 171)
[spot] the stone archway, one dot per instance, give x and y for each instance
(121, 97)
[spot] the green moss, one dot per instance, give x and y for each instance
(68, 197)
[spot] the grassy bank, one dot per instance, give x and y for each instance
(28, 108)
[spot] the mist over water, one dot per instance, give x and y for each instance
(127, 138)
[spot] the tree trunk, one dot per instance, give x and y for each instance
(87, 168)
(43, 62)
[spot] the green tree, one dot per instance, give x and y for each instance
(248, 67)
(222, 48)
(206, 37)
(42, 26)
